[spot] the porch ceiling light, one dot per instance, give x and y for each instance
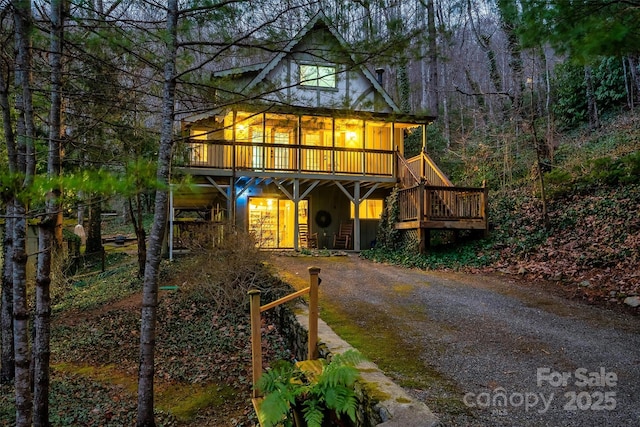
(352, 137)
(241, 131)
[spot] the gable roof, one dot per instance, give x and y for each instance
(319, 21)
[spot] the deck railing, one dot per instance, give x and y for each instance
(422, 166)
(437, 203)
(292, 158)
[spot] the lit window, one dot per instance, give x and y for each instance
(369, 209)
(318, 75)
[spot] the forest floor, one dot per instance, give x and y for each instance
(590, 251)
(203, 351)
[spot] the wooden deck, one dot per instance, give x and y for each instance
(427, 207)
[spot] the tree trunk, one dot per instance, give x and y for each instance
(94, 234)
(7, 368)
(484, 41)
(141, 236)
(395, 24)
(540, 171)
(21, 319)
(509, 23)
(156, 238)
(25, 163)
(592, 106)
(42, 325)
(54, 158)
(434, 101)
(634, 70)
(7, 371)
(404, 88)
(444, 72)
(49, 230)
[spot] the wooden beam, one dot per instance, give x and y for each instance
(389, 180)
(284, 299)
(344, 190)
(284, 190)
(368, 193)
(309, 189)
(251, 182)
(356, 217)
(478, 224)
(314, 282)
(218, 187)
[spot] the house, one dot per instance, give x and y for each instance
(302, 148)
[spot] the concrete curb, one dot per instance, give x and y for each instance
(400, 409)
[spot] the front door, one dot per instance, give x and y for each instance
(271, 221)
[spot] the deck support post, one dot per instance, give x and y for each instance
(424, 238)
(485, 207)
(256, 340)
(296, 214)
(356, 219)
(424, 201)
(232, 195)
(314, 282)
(171, 219)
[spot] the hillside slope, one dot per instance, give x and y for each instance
(591, 246)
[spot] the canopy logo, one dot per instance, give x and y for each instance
(577, 399)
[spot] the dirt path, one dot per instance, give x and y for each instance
(515, 355)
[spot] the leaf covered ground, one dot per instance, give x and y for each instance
(591, 250)
(203, 355)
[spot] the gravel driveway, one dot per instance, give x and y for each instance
(516, 354)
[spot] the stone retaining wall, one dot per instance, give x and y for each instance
(381, 402)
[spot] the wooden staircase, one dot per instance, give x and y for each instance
(429, 201)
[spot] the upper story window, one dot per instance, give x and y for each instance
(318, 75)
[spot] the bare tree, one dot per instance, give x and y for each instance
(431, 82)
(50, 227)
(7, 370)
(25, 135)
(150, 287)
(592, 105)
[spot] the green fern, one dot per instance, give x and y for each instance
(348, 358)
(313, 413)
(286, 386)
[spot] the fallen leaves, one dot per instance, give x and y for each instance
(593, 246)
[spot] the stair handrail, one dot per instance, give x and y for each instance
(406, 170)
(256, 338)
(428, 161)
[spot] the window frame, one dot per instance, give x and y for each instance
(368, 205)
(316, 77)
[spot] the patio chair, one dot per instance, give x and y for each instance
(342, 240)
(307, 240)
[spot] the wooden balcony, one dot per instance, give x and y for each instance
(442, 207)
(288, 159)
